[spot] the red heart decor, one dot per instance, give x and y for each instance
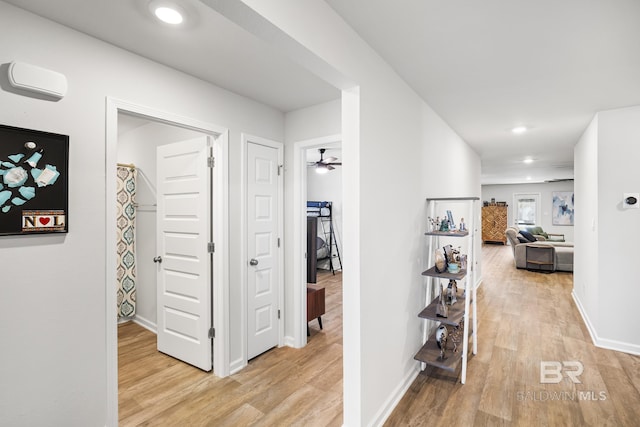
(44, 220)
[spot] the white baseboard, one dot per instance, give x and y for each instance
(147, 324)
(289, 341)
(395, 397)
(236, 366)
(603, 342)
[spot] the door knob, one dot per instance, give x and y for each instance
(253, 261)
(157, 259)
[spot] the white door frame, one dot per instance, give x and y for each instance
(238, 364)
(299, 214)
(220, 227)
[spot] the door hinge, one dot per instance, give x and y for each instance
(278, 242)
(212, 332)
(211, 162)
(278, 314)
(280, 167)
(211, 247)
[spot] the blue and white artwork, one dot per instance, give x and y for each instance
(562, 208)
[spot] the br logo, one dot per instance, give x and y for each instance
(551, 372)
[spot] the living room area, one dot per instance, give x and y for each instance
(535, 219)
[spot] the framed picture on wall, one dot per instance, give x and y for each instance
(562, 208)
(34, 183)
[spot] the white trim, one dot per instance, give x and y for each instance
(220, 226)
(299, 214)
(145, 323)
(279, 146)
(603, 342)
(237, 365)
(394, 398)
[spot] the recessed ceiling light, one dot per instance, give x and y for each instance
(167, 12)
(528, 160)
(528, 178)
(519, 129)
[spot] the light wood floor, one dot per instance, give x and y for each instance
(282, 387)
(523, 318)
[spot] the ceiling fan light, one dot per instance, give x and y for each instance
(322, 169)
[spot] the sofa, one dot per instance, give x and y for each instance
(563, 250)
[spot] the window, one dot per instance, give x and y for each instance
(526, 208)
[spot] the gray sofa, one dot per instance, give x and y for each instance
(563, 251)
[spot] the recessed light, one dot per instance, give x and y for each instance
(528, 178)
(528, 160)
(167, 12)
(519, 129)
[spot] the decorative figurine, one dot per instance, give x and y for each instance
(463, 226)
(441, 339)
(456, 336)
(444, 225)
(452, 292)
(441, 309)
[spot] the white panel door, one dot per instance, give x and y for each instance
(263, 276)
(183, 233)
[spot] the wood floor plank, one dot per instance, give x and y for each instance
(524, 318)
(276, 387)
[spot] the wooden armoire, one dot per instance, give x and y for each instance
(494, 224)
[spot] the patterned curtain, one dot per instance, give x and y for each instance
(126, 242)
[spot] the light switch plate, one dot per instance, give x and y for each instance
(626, 205)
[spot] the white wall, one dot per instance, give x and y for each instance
(585, 256)
(52, 294)
(607, 232)
(505, 193)
(138, 146)
(397, 131)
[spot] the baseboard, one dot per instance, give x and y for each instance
(289, 341)
(147, 324)
(236, 366)
(603, 342)
(387, 408)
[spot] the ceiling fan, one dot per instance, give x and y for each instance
(324, 165)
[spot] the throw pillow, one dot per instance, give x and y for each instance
(522, 239)
(538, 231)
(528, 236)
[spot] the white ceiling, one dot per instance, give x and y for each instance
(487, 66)
(483, 66)
(207, 46)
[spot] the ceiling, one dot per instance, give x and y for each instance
(207, 46)
(488, 66)
(485, 67)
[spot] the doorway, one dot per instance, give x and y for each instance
(300, 183)
(116, 109)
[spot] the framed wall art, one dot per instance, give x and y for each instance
(34, 182)
(562, 208)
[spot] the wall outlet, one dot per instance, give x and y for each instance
(631, 201)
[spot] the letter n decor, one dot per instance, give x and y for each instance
(34, 183)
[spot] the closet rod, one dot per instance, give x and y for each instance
(127, 165)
